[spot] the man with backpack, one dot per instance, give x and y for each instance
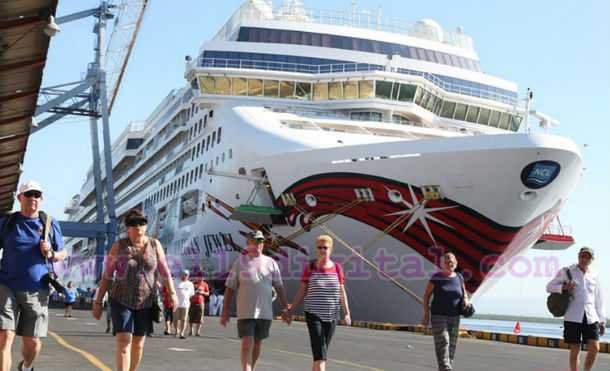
(584, 319)
(24, 293)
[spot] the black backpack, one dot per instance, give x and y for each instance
(11, 220)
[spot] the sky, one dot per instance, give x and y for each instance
(559, 49)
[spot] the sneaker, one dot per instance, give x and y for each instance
(182, 337)
(197, 334)
(166, 333)
(20, 366)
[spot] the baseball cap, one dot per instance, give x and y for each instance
(588, 250)
(185, 272)
(30, 185)
(255, 235)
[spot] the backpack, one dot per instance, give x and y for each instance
(11, 220)
(558, 303)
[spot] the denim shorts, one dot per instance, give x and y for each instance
(137, 322)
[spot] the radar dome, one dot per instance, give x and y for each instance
(428, 29)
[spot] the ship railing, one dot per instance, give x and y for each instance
(346, 18)
(558, 230)
(315, 69)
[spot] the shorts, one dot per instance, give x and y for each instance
(137, 322)
(180, 314)
(25, 312)
(70, 304)
(196, 313)
(255, 327)
(168, 313)
(575, 333)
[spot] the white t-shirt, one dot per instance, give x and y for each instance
(184, 291)
(253, 279)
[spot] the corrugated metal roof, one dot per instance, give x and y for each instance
(23, 53)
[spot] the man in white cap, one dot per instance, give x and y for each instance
(253, 276)
(184, 290)
(584, 320)
(23, 291)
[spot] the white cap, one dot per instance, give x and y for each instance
(30, 185)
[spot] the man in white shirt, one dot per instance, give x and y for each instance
(584, 320)
(184, 290)
(253, 276)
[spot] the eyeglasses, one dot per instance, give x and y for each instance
(34, 194)
(322, 247)
(133, 223)
(258, 240)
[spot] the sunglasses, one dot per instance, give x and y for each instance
(586, 255)
(34, 194)
(133, 223)
(258, 240)
(322, 247)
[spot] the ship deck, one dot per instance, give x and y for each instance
(80, 343)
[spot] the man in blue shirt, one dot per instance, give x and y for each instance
(23, 297)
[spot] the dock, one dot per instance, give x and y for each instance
(80, 343)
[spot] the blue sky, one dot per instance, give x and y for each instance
(559, 49)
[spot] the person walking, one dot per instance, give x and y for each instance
(252, 276)
(212, 303)
(197, 305)
(449, 297)
(24, 292)
(70, 297)
(185, 290)
(584, 320)
(133, 262)
(168, 310)
(323, 287)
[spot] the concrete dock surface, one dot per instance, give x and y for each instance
(80, 343)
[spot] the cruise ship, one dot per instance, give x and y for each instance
(385, 134)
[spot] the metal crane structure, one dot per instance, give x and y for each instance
(94, 97)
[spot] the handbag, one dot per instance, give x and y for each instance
(467, 311)
(156, 310)
(558, 303)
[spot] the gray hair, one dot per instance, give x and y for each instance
(450, 256)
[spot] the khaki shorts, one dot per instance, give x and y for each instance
(180, 314)
(196, 313)
(25, 312)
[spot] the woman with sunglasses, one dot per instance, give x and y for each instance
(322, 286)
(133, 262)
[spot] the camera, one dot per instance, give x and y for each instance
(51, 279)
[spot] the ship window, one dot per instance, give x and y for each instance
(207, 84)
(516, 122)
(383, 89)
(460, 111)
(240, 86)
(193, 154)
(190, 132)
(213, 138)
(223, 157)
(495, 119)
(200, 170)
(188, 112)
(216, 160)
(211, 113)
(223, 85)
(366, 89)
(196, 171)
(447, 110)
(505, 121)
(206, 167)
(473, 112)
(350, 90)
(437, 105)
(484, 116)
(303, 90)
(200, 126)
(335, 90)
(424, 99)
(205, 121)
(219, 132)
(287, 89)
(418, 95)
(255, 87)
(230, 153)
(395, 88)
(431, 102)
(207, 144)
(320, 91)
(407, 92)
(271, 88)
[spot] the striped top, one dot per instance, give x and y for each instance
(131, 288)
(323, 295)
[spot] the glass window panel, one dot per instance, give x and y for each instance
(383, 89)
(460, 112)
(395, 88)
(438, 105)
(303, 90)
(447, 110)
(473, 112)
(516, 122)
(366, 89)
(223, 85)
(505, 121)
(407, 92)
(350, 89)
(320, 91)
(495, 119)
(287, 89)
(285, 36)
(375, 116)
(424, 99)
(271, 88)
(335, 90)
(255, 87)
(484, 116)
(418, 95)
(431, 102)
(240, 86)
(207, 84)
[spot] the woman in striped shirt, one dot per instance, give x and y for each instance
(322, 286)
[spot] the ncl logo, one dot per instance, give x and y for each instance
(539, 174)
